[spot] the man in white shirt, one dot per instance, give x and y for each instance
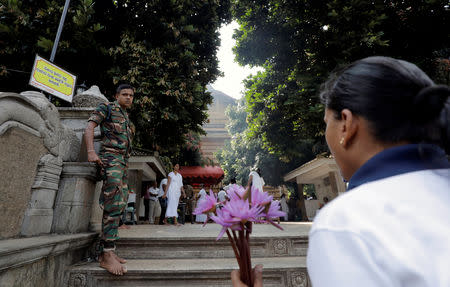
(162, 201)
(153, 193)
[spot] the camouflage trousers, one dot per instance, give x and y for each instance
(114, 195)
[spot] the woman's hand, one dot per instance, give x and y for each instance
(257, 273)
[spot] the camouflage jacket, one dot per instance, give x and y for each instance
(117, 130)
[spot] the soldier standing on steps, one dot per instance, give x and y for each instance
(117, 132)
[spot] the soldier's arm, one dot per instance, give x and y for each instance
(89, 139)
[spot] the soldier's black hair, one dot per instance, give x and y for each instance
(123, 87)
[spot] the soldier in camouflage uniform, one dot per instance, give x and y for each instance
(117, 133)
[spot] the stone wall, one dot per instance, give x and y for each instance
(41, 261)
(34, 144)
(17, 173)
(45, 189)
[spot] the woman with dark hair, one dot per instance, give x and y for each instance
(388, 128)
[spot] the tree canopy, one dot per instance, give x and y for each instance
(300, 42)
(166, 49)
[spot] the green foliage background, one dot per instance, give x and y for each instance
(279, 124)
(164, 48)
(299, 42)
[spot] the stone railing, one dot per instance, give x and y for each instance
(48, 189)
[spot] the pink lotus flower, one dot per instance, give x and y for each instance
(236, 192)
(207, 205)
(274, 210)
(224, 218)
(240, 211)
(236, 217)
(261, 198)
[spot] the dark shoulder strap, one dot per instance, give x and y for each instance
(108, 116)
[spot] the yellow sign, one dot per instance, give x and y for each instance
(52, 79)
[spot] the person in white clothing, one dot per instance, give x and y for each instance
(153, 196)
(222, 195)
(388, 128)
(255, 180)
(162, 201)
(387, 125)
(284, 206)
(173, 191)
(201, 195)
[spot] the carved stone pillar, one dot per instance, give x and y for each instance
(75, 198)
(39, 214)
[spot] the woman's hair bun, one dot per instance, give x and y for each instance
(429, 102)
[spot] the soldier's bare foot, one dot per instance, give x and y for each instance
(109, 262)
(121, 260)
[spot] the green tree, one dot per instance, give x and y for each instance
(166, 49)
(300, 42)
(29, 27)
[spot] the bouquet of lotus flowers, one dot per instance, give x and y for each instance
(236, 216)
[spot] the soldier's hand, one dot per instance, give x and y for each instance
(93, 157)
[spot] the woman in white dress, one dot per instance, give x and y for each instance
(201, 196)
(255, 180)
(173, 191)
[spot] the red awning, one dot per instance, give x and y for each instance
(209, 175)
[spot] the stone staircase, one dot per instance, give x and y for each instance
(189, 255)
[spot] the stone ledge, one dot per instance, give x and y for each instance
(80, 169)
(288, 271)
(208, 248)
(211, 230)
(152, 266)
(18, 252)
(75, 112)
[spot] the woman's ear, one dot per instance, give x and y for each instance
(349, 128)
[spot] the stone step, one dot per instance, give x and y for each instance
(278, 271)
(195, 241)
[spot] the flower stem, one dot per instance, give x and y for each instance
(236, 253)
(249, 261)
(236, 239)
(244, 255)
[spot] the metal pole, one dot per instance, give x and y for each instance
(58, 34)
(60, 27)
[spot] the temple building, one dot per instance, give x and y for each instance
(216, 131)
